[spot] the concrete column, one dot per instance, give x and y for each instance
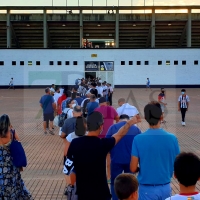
(81, 28)
(189, 29)
(44, 29)
(8, 30)
(117, 29)
(153, 29)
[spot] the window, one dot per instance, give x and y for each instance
(37, 62)
(138, 62)
(176, 62)
(21, 62)
(159, 62)
(184, 62)
(130, 62)
(29, 62)
(168, 62)
(146, 62)
(50, 62)
(14, 62)
(1, 62)
(66, 62)
(122, 62)
(196, 62)
(75, 63)
(59, 63)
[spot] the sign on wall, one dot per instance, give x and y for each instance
(99, 66)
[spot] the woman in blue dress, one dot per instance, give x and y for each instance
(11, 184)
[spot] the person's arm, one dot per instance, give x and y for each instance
(187, 102)
(124, 129)
(41, 105)
(117, 118)
(134, 164)
(67, 143)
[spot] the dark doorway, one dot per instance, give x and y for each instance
(90, 75)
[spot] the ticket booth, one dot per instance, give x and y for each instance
(101, 69)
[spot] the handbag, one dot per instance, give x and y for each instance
(17, 152)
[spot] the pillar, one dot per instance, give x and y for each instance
(189, 29)
(153, 29)
(8, 30)
(44, 29)
(117, 29)
(81, 28)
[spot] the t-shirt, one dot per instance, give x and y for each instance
(161, 97)
(79, 100)
(69, 126)
(121, 152)
(148, 82)
(56, 96)
(100, 90)
(109, 114)
(156, 150)
(183, 101)
(47, 101)
(127, 109)
(60, 100)
(71, 136)
(88, 156)
(194, 196)
(91, 107)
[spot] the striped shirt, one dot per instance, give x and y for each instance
(183, 101)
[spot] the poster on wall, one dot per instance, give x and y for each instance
(107, 66)
(91, 66)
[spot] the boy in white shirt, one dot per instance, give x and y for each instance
(187, 172)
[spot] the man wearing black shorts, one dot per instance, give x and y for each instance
(48, 105)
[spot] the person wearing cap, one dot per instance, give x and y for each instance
(121, 153)
(126, 108)
(87, 156)
(155, 151)
(48, 106)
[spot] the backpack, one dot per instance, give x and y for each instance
(84, 107)
(61, 118)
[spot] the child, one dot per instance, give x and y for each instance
(161, 100)
(11, 84)
(183, 104)
(126, 187)
(187, 172)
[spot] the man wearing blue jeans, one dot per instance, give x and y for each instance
(155, 151)
(121, 153)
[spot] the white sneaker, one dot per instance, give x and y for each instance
(183, 123)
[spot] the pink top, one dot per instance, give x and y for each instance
(109, 114)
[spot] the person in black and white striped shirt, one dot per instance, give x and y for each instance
(183, 104)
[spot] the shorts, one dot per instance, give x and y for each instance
(48, 117)
(65, 158)
(162, 107)
(148, 86)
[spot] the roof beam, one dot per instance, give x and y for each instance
(98, 7)
(183, 34)
(15, 36)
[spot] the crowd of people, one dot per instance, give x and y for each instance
(104, 145)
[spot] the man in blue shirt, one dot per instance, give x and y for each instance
(78, 98)
(48, 105)
(121, 153)
(155, 151)
(92, 104)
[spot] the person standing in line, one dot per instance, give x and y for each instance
(92, 105)
(161, 100)
(110, 93)
(87, 157)
(48, 105)
(121, 153)
(78, 98)
(183, 105)
(11, 84)
(57, 94)
(148, 84)
(155, 151)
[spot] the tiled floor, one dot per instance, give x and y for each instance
(43, 176)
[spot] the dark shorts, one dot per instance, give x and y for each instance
(48, 117)
(65, 158)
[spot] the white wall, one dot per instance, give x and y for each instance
(45, 74)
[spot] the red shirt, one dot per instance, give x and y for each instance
(60, 100)
(109, 114)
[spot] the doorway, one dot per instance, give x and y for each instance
(90, 75)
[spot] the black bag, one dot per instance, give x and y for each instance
(61, 118)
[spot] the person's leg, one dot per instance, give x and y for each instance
(51, 118)
(183, 111)
(116, 169)
(45, 123)
(166, 191)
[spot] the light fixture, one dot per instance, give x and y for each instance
(134, 24)
(28, 25)
(63, 25)
(169, 24)
(98, 24)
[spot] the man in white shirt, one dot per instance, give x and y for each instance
(100, 89)
(57, 95)
(126, 108)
